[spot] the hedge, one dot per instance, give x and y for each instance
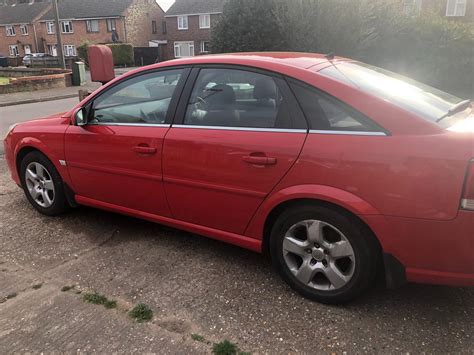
(121, 52)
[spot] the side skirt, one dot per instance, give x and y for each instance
(231, 238)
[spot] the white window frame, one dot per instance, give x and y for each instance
(69, 50)
(203, 48)
(53, 49)
(204, 21)
(13, 49)
(177, 49)
(27, 49)
(24, 29)
(457, 4)
(66, 25)
(183, 23)
(412, 7)
(111, 24)
(50, 28)
(89, 26)
(10, 31)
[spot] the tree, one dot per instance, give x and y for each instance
(250, 25)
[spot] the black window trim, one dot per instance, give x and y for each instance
(296, 113)
(171, 108)
(381, 131)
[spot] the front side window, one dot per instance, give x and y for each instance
(13, 49)
(110, 24)
(141, 100)
(205, 21)
(10, 30)
(182, 22)
(24, 30)
(237, 98)
(326, 113)
(50, 28)
(69, 50)
(66, 27)
(92, 25)
(456, 8)
(183, 49)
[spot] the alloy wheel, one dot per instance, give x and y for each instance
(40, 184)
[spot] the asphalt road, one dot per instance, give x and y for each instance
(194, 286)
(21, 113)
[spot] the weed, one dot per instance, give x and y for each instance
(110, 304)
(37, 286)
(96, 298)
(225, 348)
(197, 337)
(141, 313)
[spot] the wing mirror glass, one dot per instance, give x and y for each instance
(81, 117)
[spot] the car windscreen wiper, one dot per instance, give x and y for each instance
(461, 106)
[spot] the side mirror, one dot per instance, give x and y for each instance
(80, 118)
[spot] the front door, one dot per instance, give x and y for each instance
(237, 135)
(116, 157)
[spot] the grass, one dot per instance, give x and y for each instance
(141, 313)
(4, 81)
(96, 298)
(197, 337)
(227, 348)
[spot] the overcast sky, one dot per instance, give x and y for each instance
(165, 4)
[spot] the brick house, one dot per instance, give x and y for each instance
(460, 10)
(105, 21)
(189, 25)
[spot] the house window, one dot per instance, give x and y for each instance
(154, 29)
(10, 30)
(24, 30)
(183, 49)
(163, 27)
(412, 7)
(69, 50)
(50, 28)
(456, 8)
(66, 27)
(110, 24)
(182, 22)
(52, 49)
(204, 21)
(27, 49)
(205, 47)
(92, 25)
(13, 49)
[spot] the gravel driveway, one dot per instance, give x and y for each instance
(194, 286)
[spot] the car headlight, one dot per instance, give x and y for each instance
(10, 129)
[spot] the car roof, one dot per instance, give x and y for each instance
(294, 59)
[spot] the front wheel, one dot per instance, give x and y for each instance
(323, 254)
(42, 184)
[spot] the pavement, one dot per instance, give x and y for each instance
(194, 285)
(20, 98)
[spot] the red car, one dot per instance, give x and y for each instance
(336, 169)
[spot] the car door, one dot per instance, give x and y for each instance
(116, 157)
(237, 132)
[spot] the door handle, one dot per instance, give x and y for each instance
(259, 160)
(140, 149)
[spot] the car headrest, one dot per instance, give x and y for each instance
(220, 96)
(265, 88)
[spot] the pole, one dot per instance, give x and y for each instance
(59, 46)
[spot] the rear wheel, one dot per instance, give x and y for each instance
(323, 254)
(42, 184)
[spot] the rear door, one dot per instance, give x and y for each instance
(116, 157)
(237, 132)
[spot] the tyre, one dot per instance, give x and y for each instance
(323, 254)
(42, 184)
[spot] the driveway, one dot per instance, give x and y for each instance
(194, 286)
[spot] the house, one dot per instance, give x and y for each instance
(105, 21)
(188, 26)
(461, 10)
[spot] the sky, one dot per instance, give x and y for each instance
(165, 4)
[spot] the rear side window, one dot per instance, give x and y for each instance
(237, 98)
(324, 112)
